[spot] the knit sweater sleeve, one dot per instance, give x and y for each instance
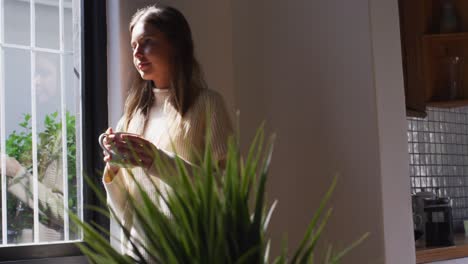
(220, 126)
(117, 189)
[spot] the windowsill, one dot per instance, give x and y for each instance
(460, 250)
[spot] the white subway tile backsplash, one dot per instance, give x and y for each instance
(438, 148)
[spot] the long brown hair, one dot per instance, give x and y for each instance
(187, 79)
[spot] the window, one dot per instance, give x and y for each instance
(46, 97)
(40, 93)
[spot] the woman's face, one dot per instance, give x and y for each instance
(152, 54)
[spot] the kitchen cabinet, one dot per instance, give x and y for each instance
(435, 56)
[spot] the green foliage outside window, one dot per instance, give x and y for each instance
(49, 148)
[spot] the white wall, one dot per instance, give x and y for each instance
(398, 233)
(314, 65)
(327, 77)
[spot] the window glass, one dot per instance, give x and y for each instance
(47, 24)
(39, 121)
(17, 22)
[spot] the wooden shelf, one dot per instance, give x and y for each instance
(426, 54)
(448, 104)
(460, 250)
(450, 36)
(436, 51)
(415, 113)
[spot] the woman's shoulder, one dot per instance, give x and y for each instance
(207, 101)
(208, 94)
(209, 98)
(210, 102)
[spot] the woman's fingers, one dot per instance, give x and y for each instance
(136, 157)
(109, 139)
(144, 162)
(107, 156)
(135, 144)
(107, 145)
(130, 151)
(135, 140)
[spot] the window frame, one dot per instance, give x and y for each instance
(93, 122)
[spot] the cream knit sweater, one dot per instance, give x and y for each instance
(173, 134)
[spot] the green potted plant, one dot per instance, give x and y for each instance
(216, 216)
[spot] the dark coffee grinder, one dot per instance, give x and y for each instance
(439, 227)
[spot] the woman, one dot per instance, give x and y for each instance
(167, 107)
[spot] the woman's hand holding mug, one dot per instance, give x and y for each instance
(105, 144)
(126, 150)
